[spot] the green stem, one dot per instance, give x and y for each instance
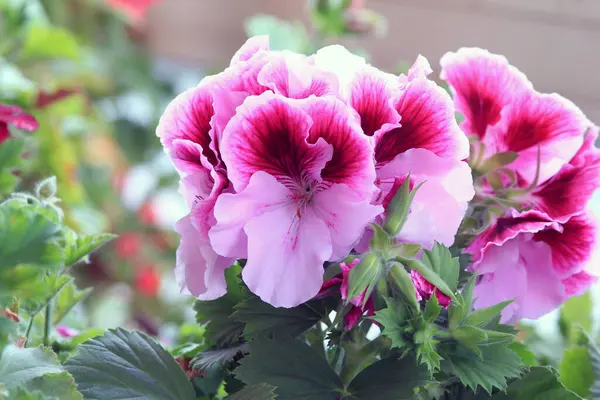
(47, 323)
(29, 326)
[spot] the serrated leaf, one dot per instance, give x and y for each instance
(82, 246)
(124, 365)
(218, 357)
(68, 297)
(36, 369)
(426, 348)
(576, 371)
(459, 309)
(216, 314)
(44, 41)
(22, 394)
(254, 392)
(46, 288)
(393, 321)
(527, 356)
(440, 260)
(496, 364)
(293, 367)
(432, 309)
(540, 383)
(390, 378)
(261, 318)
(27, 236)
(483, 316)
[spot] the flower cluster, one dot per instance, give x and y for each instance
(286, 159)
(538, 250)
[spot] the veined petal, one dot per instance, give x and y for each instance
(352, 158)
(439, 204)
(427, 122)
(252, 46)
(579, 283)
(345, 214)
(420, 69)
(269, 134)
(339, 61)
(549, 121)
(483, 84)
(286, 255)
(233, 210)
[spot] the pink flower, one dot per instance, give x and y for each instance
(15, 116)
(424, 289)
(501, 108)
(66, 332)
(135, 10)
(412, 122)
(352, 318)
(303, 175)
(535, 260)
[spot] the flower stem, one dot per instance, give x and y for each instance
(47, 323)
(29, 326)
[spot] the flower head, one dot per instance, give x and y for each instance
(15, 116)
(424, 289)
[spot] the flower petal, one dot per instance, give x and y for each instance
(285, 256)
(252, 46)
(18, 118)
(339, 61)
(427, 122)
(269, 134)
(579, 283)
(346, 216)
(483, 84)
(549, 121)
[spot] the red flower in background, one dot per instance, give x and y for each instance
(135, 10)
(15, 116)
(127, 245)
(147, 281)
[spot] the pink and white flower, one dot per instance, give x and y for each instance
(503, 111)
(534, 260)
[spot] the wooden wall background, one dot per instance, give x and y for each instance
(555, 42)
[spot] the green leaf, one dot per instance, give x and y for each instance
(432, 309)
(380, 242)
(498, 160)
(293, 367)
(364, 276)
(46, 41)
(68, 297)
(82, 246)
(27, 236)
(483, 316)
(10, 158)
(576, 370)
(254, 392)
(576, 315)
(22, 394)
(440, 260)
(527, 356)
(128, 365)
(405, 250)
(459, 309)
(261, 318)
(36, 369)
(428, 274)
(221, 327)
(594, 356)
(283, 35)
(45, 289)
(496, 364)
(403, 283)
(219, 357)
(390, 378)
(393, 321)
(540, 383)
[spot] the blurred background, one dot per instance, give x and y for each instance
(97, 74)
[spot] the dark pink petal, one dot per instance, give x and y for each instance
(4, 133)
(290, 75)
(370, 95)
(269, 133)
(483, 84)
(427, 121)
(352, 160)
(252, 46)
(579, 283)
(549, 121)
(346, 268)
(15, 116)
(424, 289)
(47, 98)
(573, 247)
(188, 118)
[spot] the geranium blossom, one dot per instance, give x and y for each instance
(15, 116)
(424, 290)
(501, 108)
(535, 260)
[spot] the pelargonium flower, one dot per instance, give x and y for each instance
(303, 175)
(15, 116)
(412, 122)
(503, 111)
(529, 257)
(424, 290)
(352, 318)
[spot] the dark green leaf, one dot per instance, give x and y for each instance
(540, 383)
(440, 260)
(218, 357)
(261, 318)
(128, 365)
(483, 316)
(393, 321)
(576, 371)
(389, 379)
(293, 367)
(254, 392)
(496, 364)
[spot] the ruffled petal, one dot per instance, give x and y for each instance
(578, 284)
(339, 61)
(345, 214)
(439, 204)
(269, 134)
(549, 121)
(252, 46)
(427, 122)
(483, 84)
(285, 256)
